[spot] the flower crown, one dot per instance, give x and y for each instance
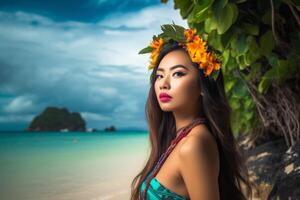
(196, 47)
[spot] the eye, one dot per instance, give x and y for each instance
(157, 76)
(179, 73)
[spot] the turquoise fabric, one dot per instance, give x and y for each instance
(157, 191)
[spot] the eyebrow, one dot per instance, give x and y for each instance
(174, 67)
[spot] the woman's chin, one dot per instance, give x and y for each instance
(166, 108)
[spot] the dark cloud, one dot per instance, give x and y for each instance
(91, 68)
(79, 10)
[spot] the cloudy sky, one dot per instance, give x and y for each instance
(82, 55)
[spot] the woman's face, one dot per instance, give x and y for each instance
(177, 77)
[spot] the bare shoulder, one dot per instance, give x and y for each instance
(200, 143)
(199, 137)
(199, 164)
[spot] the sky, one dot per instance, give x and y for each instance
(81, 55)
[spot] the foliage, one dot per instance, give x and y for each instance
(260, 43)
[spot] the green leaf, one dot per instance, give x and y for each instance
(235, 103)
(250, 28)
(173, 31)
(231, 64)
(220, 4)
(275, 73)
(178, 29)
(273, 59)
(283, 70)
(235, 11)
(253, 53)
(255, 71)
(146, 50)
(210, 24)
(225, 17)
(293, 66)
(215, 74)
(200, 29)
(229, 85)
(185, 6)
(241, 45)
(248, 103)
(241, 61)
(168, 30)
(264, 84)
(280, 71)
(248, 115)
(215, 41)
(227, 37)
(198, 14)
(225, 55)
(267, 43)
(203, 5)
(239, 90)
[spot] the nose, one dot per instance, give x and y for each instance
(165, 83)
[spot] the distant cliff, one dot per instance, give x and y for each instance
(56, 119)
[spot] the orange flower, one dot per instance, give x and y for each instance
(210, 64)
(197, 49)
(209, 70)
(189, 34)
(156, 46)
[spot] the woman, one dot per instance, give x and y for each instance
(194, 154)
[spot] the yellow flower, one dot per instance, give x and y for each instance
(153, 59)
(197, 49)
(156, 47)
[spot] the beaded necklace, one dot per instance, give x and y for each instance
(182, 132)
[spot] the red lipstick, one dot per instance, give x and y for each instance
(164, 97)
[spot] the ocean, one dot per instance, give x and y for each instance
(70, 165)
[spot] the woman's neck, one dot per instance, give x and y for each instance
(181, 123)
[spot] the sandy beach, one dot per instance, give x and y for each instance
(53, 166)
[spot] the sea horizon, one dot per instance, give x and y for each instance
(97, 130)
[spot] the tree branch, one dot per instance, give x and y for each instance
(294, 13)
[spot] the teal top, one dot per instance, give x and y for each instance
(157, 191)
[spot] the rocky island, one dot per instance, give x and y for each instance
(110, 129)
(57, 119)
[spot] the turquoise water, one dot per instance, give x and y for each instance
(68, 165)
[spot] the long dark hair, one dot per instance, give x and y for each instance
(233, 176)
